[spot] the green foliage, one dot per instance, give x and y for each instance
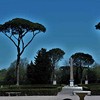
(81, 60)
(42, 67)
(63, 75)
(2, 76)
(31, 90)
(96, 70)
(94, 88)
(55, 55)
(10, 77)
(16, 29)
(31, 73)
(97, 26)
(20, 25)
(40, 72)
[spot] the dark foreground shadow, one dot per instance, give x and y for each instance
(67, 99)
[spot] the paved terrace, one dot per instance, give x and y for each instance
(48, 97)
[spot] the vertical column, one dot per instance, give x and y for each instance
(71, 73)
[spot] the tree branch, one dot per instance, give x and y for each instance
(34, 34)
(15, 37)
(24, 33)
(11, 39)
(22, 44)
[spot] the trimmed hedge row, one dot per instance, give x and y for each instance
(30, 86)
(30, 90)
(95, 92)
(94, 88)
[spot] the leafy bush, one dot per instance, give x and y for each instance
(85, 88)
(95, 92)
(94, 88)
(31, 90)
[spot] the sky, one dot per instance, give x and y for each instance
(70, 26)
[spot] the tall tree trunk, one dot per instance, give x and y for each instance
(17, 65)
(17, 69)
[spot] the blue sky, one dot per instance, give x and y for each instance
(70, 26)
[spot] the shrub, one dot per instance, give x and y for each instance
(31, 90)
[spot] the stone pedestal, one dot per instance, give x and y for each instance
(54, 82)
(82, 94)
(86, 81)
(71, 83)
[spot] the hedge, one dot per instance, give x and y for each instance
(31, 90)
